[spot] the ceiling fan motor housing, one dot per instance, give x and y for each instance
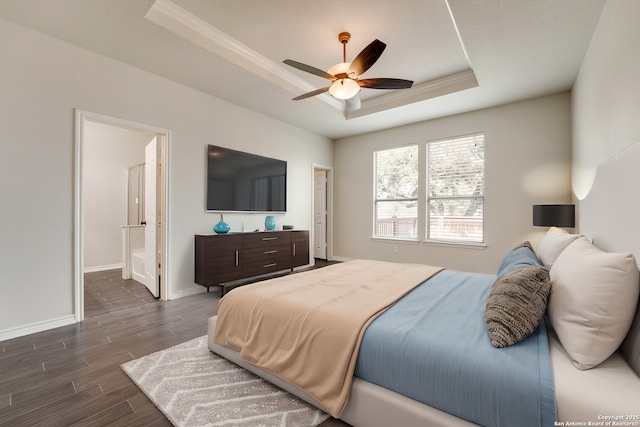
(344, 37)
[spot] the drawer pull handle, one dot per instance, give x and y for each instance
(294, 249)
(237, 258)
(269, 238)
(269, 252)
(270, 265)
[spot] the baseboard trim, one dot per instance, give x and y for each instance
(186, 292)
(102, 268)
(20, 331)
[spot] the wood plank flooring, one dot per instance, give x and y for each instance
(71, 376)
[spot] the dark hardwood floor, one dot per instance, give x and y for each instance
(71, 376)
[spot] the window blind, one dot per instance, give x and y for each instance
(455, 189)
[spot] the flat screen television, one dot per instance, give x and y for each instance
(244, 182)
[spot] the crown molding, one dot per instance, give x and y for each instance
(421, 92)
(188, 26)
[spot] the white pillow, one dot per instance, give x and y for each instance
(553, 243)
(592, 301)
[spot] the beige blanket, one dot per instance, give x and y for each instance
(306, 328)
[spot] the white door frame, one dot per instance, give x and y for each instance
(78, 220)
(152, 218)
(329, 171)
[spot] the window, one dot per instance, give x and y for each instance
(455, 190)
(396, 192)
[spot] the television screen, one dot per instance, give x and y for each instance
(238, 181)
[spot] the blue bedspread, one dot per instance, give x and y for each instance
(433, 346)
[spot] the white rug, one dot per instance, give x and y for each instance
(195, 387)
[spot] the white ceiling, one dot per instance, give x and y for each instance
(461, 54)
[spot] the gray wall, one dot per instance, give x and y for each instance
(606, 95)
(527, 162)
(43, 81)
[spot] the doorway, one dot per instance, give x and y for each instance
(129, 137)
(322, 212)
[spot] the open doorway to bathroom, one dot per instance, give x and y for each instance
(121, 199)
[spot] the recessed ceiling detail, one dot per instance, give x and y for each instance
(194, 29)
(461, 55)
(421, 92)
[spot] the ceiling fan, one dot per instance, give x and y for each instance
(345, 76)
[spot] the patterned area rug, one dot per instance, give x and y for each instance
(195, 387)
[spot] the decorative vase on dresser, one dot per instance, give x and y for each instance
(221, 227)
(270, 223)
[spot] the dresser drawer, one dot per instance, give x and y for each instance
(262, 267)
(265, 240)
(266, 254)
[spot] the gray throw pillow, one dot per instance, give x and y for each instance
(521, 256)
(516, 304)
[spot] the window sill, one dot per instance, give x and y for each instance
(395, 239)
(469, 245)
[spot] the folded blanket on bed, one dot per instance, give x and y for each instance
(307, 328)
(433, 346)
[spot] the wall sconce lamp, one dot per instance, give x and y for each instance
(554, 216)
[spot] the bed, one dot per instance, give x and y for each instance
(569, 356)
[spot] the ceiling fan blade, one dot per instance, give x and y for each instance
(385, 83)
(312, 93)
(367, 57)
(309, 69)
(353, 103)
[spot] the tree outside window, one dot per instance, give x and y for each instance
(396, 203)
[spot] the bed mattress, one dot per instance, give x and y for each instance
(610, 392)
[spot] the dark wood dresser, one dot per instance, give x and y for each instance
(222, 258)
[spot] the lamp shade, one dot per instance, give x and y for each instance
(554, 215)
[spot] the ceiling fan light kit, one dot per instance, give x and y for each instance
(345, 75)
(344, 88)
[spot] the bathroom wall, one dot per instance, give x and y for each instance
(108, 152)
